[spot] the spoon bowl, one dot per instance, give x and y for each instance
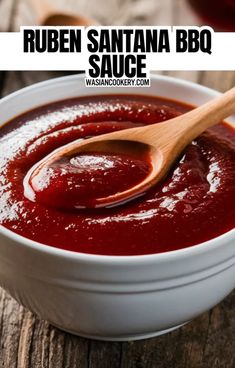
(113, 146)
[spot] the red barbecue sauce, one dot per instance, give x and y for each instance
(193, 204)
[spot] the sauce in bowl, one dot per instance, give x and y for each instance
(193, 204)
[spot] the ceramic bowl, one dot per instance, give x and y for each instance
(112, 297)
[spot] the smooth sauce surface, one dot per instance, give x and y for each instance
(193, 204)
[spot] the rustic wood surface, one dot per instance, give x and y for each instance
(26, 341)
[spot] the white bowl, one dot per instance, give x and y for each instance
(111, 297)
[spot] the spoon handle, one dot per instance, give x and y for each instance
(198, 120)
(181, 130)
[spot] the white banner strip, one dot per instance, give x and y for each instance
(222, 56)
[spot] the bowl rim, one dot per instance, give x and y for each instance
(197, 249)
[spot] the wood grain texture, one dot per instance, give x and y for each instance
(28, 342)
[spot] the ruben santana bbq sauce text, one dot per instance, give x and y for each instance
(116, 53)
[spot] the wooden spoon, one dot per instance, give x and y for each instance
(164, 142)
(47, 15)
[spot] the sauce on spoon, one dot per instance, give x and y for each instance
(77, 182)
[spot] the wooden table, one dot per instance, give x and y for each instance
(26, 341)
